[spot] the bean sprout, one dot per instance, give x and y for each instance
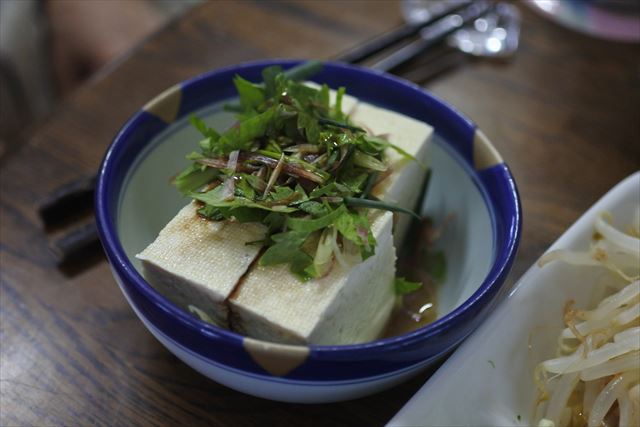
(595, 380)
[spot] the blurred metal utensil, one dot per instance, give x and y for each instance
(484, 30)
(494, 35)
(432, 35)
(424, 17)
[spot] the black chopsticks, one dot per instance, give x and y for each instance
(433, 34)
(408, 30)
(63, 203)
(58, 206)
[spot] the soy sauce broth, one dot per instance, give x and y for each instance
(418, 261)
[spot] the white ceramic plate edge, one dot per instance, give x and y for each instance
(442, 401)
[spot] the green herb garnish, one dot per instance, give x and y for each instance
(403, 287)
(297, 164)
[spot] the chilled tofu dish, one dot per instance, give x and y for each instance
(295, 214)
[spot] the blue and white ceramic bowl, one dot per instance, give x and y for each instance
(134, 201)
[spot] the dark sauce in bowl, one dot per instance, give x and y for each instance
(418, 261)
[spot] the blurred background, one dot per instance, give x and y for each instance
(48, 48)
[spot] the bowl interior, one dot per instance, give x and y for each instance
(147, 201)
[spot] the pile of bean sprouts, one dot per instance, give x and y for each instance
(595, 380)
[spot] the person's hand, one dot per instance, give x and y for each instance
(88, 34)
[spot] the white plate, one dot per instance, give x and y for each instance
(489, 379)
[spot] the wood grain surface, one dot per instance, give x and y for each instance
(564, 113)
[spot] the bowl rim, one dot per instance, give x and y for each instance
(115, 252)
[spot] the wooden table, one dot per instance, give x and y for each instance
(564, 114)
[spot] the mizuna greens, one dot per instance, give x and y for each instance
(295, 163)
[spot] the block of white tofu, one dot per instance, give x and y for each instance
(198, 262)
(411, 135)
(347, 306)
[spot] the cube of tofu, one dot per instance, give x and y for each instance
(198, 262)
(189, 262)
(347, 306)
(350, 306)
(411, 135)
(208, 265)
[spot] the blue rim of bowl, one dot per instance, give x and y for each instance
(451, 121)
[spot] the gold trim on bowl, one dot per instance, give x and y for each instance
(277, 359)
(484, 153)
(166, 105)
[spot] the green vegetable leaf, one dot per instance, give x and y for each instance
(337, 108)
(273, 146)
(215, 198)
(251, 95)
(311, 225)
(257, 183)
(207, 145)
(376, 144)
(244, 188)
(324, 98)
(338, 124)
(403, 287)
(316, 209)
(287, 250)
(269, 77)
(323, 259)
(367, 161)
(241, 137)
(355, 228)
(194, 177)
(211, 212)
(280, 193)
(275, 221)
(354, 179)
(194, 155)
(377, 204)
(308, 126)
(332, 189)
(203, 128)
(304, 97)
